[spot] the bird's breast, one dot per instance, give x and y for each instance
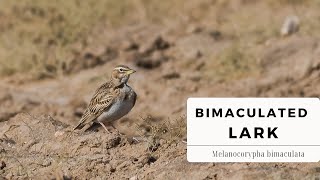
(120, 106)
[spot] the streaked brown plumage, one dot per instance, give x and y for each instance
(111, 101)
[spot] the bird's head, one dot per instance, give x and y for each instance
(121, 74)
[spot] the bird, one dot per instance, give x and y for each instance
(111, 101)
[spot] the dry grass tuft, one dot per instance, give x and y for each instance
(164, 132)
(235, 62)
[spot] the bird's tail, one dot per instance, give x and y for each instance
(77, 127)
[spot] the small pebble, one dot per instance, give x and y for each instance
(58, 133)
(290, 25)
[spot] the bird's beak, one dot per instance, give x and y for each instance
(131, 71)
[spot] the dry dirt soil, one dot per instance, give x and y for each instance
(232, 50)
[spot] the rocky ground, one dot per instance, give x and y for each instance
(234, 50)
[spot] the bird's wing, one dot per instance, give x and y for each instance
(135, 98)
(100, 101)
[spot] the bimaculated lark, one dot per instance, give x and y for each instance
(111, 101)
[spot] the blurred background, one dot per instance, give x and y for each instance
(54, 54)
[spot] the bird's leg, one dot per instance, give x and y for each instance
(118, 132)
(104, 127)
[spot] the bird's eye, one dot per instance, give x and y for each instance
(121, 70)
